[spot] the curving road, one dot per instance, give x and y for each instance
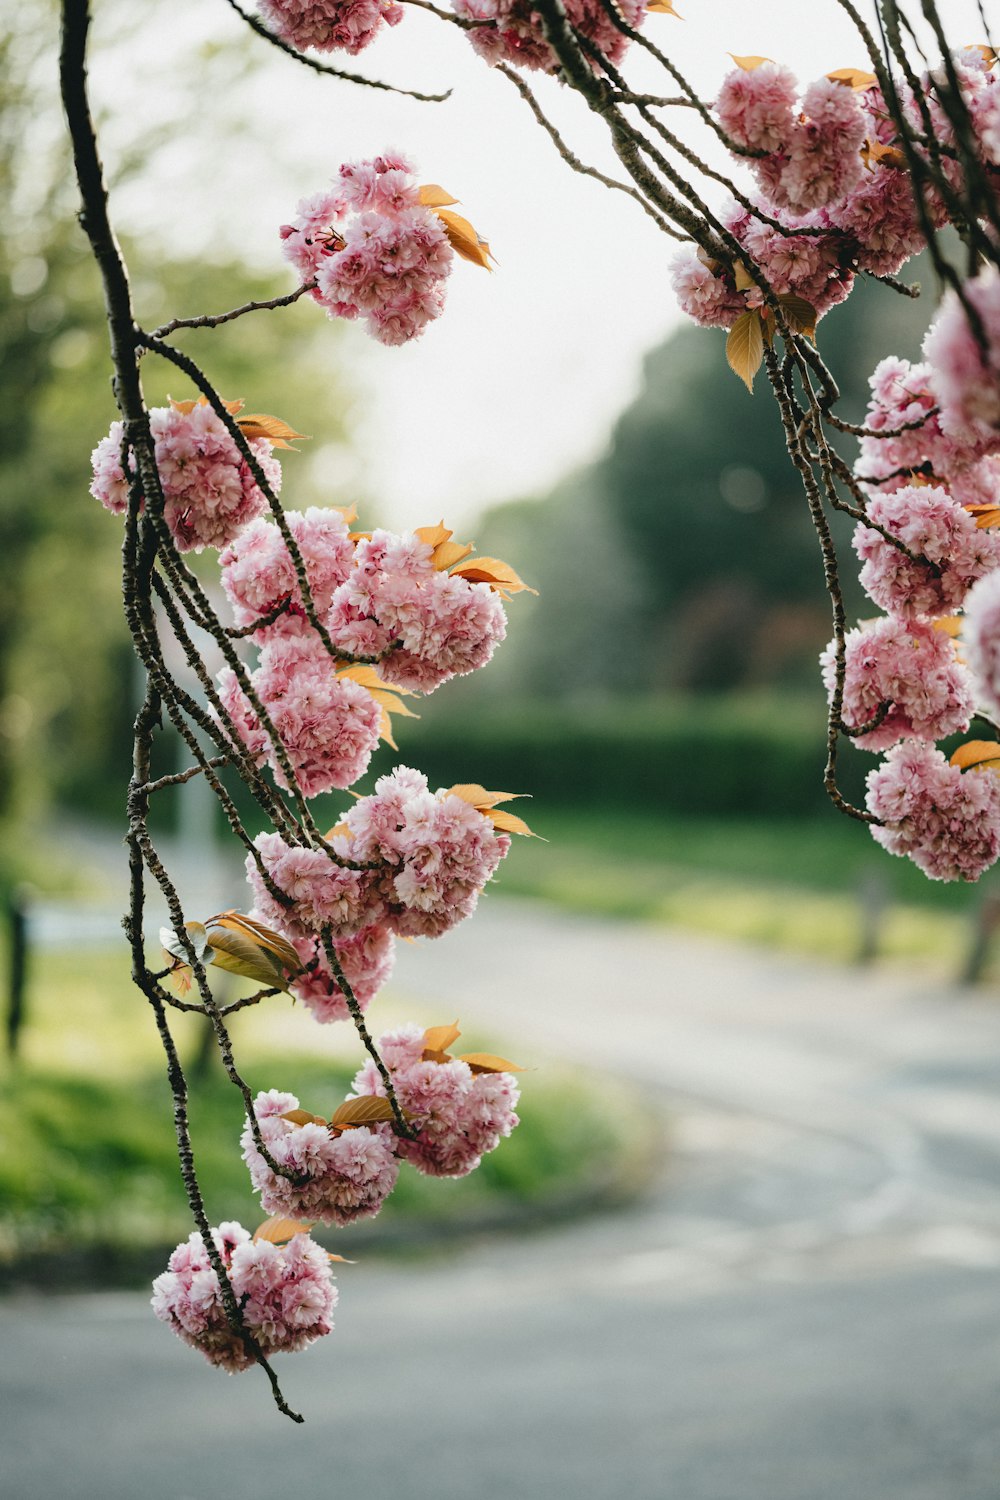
(806, 1308)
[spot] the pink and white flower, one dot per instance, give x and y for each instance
(459, 1115)
(346, 1176)
(286, 1294)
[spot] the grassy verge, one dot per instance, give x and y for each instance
(88, 1176)
(796, 884)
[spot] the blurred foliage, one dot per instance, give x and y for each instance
(67, 677)
(681, 563)
(733, 755)
(684, 559)
(91, 1161)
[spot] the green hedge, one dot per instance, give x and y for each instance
(709, 756)
(713, 756)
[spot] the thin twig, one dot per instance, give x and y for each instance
(318, 67)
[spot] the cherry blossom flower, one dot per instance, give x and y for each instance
(934, 526)
(374, 250)
(347, 1175)
(946, 820)
(286, 1294)
(981, 641)
(330, 25)
(512, 31)
(367, 960)
(459, 1115)
(909, 664)
(209, 493)
(318, 892)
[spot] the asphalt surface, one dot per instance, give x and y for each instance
(806, 1305)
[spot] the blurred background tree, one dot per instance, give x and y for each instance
(66, 671)
(667, 668)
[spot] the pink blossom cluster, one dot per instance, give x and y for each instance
(980, 89)
(813, 147)
(965, 362)
(510, 31)
(901, 397)
(209, 492)
(383, 597)
(460, 1115)
(328, 725)
(373, 250)
(808, 265)
(286, 1294)
(330, 25)
(427, 856)
(910, 665)
(258, 573)
(981, 641)
(945, 819)
(343, 1176)
(316, 891)
(951, 552)
(428, 625)
(367, 960)
(834, 178)
(435, 851)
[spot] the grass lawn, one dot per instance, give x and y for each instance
(797, 884)
(89, 1157)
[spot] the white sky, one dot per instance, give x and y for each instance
(522, 378)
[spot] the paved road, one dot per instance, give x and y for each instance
(806, 1308)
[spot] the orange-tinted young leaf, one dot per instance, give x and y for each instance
(264, 935)
(478, 797)
(181, 976)
(988, 55)
(385, 733)
(440, 1038)
(389, 700)
(506, 822)
(984, 755)
(359, 536)
(446, 554)
(187, 407)
(279, 1230)
(499, 575)
(341, 1258)
(486, 803)
(489, 1062)
(745, 347)
(433, 535)
(277, 432)
(744, 281)
(302, 1117)
(349, 512)
(853, 77)
(748, 64)
(238, 954)
(464, 240)
(433, 196)
(877, 154)
(663, 8)
(338, 831)
(986, 515)
(368, 1110)
(799, 314)
(949, 624)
